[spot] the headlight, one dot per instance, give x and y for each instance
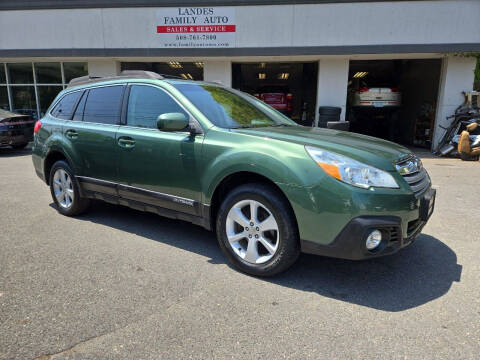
(351, 171)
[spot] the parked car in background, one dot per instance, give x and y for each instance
(30, 112)
(224, 160)
(277, 97)
(16, 130)
(377, 97)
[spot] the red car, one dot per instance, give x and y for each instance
(278, 98)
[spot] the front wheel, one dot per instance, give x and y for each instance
(65, 190)
(256, 230)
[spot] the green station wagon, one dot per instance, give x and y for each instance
(224, 160)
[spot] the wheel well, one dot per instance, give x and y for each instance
(51, 159)
(234, 180)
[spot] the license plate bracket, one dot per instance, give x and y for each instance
(427, 204)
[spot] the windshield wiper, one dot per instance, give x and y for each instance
(278, 125)
(242, 127)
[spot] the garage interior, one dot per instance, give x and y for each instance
(277, 83)
(412, 122)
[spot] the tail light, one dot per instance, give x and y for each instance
(394, 89)
(289, 102)
(37, 127)
(364, 89)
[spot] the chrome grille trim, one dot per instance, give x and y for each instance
(414, 174)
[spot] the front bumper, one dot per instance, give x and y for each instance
(350, 242)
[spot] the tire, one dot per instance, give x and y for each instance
(282, 246)
(77, 204)
(330, 111)
(20, 146)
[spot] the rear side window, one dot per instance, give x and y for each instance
(78, 116)
(103, 105)
(146, 103)
(65, 107)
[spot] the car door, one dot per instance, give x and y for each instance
(92, 133)
(158, 167)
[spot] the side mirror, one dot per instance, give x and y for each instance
(172, 122)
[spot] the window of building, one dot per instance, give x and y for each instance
(146, 103)
(4, 98)
(30, 87)
(23, 100)
(48, 73)
(74, 69)
(103, 105)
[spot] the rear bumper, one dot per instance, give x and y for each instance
(14, 140)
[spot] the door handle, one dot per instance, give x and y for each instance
(126, 142)
(71, 134)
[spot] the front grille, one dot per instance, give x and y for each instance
(414, 174)
(394, 233)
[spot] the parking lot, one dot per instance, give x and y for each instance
(116, 283)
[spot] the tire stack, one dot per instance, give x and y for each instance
(328, 113)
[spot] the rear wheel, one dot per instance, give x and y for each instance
(65, 191)
(257, 231)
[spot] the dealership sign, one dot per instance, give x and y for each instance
(196, 27)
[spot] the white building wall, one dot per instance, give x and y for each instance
(332, 84)
(457, 76)
(218, 71)
(103, 67)
(340, 24)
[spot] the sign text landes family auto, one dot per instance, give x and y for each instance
(197, 27)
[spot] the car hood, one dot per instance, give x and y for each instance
(369, 150)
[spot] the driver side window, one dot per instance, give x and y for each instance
(146, 103)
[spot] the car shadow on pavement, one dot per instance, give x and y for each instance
(412, 277)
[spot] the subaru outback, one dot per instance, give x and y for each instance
(224, 160)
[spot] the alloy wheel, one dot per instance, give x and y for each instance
(63, 188)
(252, 231)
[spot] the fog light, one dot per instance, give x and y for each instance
(373, 240)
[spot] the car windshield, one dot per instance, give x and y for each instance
(230, 108)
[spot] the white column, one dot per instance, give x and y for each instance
(332, 85)
(456, 76)
(103, 68)
(218, 71)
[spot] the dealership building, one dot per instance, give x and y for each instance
(313, 53)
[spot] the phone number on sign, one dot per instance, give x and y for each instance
(196, 37)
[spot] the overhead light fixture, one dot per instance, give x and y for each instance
(187, 76)
(199, 64)
(283, 76)
(262, 65)
(360, 74)
(175, 65)
(262, 76)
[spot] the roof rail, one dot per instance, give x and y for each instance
(125, 74)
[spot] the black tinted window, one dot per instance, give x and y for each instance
(146, 103)
(64, 109)
(103, 105)
(78, 116)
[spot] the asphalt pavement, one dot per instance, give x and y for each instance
(116, 283)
